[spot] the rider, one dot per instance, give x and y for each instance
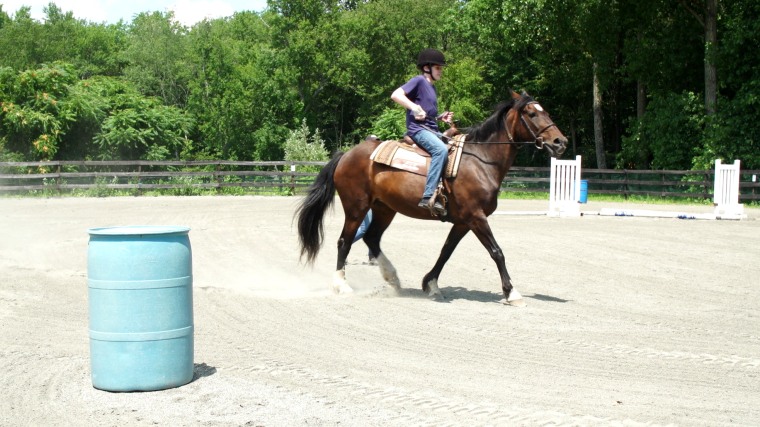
(419, 97)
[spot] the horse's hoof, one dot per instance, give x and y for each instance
(435, 294)
(394, 291)
(438, 297)
(343, 290)
(340, 285)
(515, 299)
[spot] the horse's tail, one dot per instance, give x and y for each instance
(311, 211)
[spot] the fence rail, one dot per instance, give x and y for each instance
(61, 177)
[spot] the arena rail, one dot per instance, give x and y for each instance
(137, 177)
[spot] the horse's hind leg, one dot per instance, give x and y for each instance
(350, 226)
(381, 219)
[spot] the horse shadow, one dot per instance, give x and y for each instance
(451, 293)
(547, 298)
(459, 292)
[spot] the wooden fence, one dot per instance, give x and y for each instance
(176, 177)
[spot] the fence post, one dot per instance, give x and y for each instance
(58, 180)
(218, 177)
(138, 192)
(293, 178)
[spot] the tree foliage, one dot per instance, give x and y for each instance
(303, 145)
(239, 87)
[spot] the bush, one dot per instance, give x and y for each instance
(669, 135)
(390, 125)
(304, 146)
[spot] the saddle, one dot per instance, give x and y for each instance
(408, 156)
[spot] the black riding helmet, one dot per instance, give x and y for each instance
(430, 57)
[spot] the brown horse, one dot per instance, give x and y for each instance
(488, 153)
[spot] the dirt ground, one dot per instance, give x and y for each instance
(630, 321)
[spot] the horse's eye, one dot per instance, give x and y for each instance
(532, 114)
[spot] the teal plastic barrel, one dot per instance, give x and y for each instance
(140, 288)
(584, 191)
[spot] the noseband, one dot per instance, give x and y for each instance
(537, 140)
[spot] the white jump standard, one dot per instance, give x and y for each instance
(565, 187)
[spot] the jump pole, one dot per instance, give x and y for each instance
(654, 214)
(725, 199)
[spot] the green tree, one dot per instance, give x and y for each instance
(238, 85)
(302, 145)
(93, 49)
(156, 57)
(32, 117)
(668, 137)
(47, 113)
(19, 39)
(240, 92)
(734, 131)
(391, 124)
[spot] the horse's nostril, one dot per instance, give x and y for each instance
(561, 145)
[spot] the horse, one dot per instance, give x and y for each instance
(488, 152)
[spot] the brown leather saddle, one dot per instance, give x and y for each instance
(406, 155)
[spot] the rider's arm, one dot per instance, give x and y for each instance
(399, 96)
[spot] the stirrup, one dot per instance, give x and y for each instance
(440, 199)
(435, 207)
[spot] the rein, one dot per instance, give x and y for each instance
(538, 141)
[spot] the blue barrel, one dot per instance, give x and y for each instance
(584, 191)
(141, 307)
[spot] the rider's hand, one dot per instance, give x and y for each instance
(419, 113)
(446, 117)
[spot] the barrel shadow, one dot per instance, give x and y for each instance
(202, 370)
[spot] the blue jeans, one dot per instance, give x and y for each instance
(439, 155)
(363, 228)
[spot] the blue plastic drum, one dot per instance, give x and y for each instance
(584, 191)
(140, 285)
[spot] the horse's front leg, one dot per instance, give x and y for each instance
(483, 232)
(430, 281)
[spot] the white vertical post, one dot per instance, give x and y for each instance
(726, 190)
(565, 187)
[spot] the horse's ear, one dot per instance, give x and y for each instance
(514, 94)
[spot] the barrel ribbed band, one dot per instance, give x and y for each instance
(142, 336)
(174, 282)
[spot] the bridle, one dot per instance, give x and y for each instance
(538, 141)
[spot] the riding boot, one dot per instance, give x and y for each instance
(431, 203)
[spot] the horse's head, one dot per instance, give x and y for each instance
(528, 121)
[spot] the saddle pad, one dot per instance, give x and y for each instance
(401, 155)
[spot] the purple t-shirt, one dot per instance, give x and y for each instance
(422, 93)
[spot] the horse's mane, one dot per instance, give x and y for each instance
(495, 123)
